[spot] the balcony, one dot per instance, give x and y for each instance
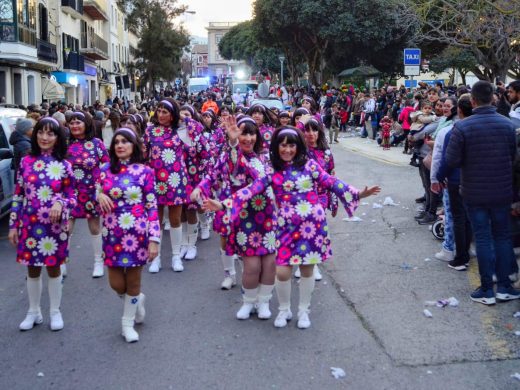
(73, 7)
(96, 9)
(26, 35)
(47, 51)
(93, 46)
(73, 61)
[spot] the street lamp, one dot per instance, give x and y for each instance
(282, 59)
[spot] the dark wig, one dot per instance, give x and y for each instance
(248, 127)
(227, 108)
(290, 135)
(214, 120)
(173, 108)
(322, 139)
(269, 116)
(297, 113)
(133, 119)
(86, 118)
(60, 148)
(312, 102)
(137, 152)
(194, 114)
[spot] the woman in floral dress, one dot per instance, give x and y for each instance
(253, 236)
(131, 232)
(260, 115)
(39, 223)
(302, 227)
(86, 154)
(165, 154)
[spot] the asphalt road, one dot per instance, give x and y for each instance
(367, 315)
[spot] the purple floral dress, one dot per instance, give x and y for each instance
(86, 157)
(253, 232)
(324, 158)
(134, 221)
(302, 227)
(41, 182)
(267, 134)
(166, 156)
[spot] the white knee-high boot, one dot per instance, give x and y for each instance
(34, 314)
(230, 274)
(175, 238)
(265, 293)
(55, 292)
(193, 232)
(127, 321)
(306, 289)
(248, 303)
(184, 242)
(204, 226)
(155, 265)
(97, 246)
(141, 312)
(283, 291)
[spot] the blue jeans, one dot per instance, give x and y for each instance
(449, 239)
(492, 230)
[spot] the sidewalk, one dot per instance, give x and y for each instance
(369, 148)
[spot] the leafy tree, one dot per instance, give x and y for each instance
(454, 59)
(161, 44)
(490, 29)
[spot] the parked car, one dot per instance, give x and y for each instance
(8, 118)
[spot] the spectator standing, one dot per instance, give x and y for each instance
(487, 189)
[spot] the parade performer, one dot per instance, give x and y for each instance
(262, 118)
(86, 154)
(39, 220)
(309, 104)
(386, 126)
(297, 114)
(284, 118)
(253, 236)
(131, 121)
(302, 231)
(164, 151)
(125, 192)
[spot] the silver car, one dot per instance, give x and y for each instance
(8, 118)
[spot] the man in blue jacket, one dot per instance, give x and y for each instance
(484, 147)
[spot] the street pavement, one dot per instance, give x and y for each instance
(367, 314)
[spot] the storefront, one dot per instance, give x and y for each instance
(74, 85)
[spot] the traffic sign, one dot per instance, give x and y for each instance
(412, 70)
(178, 81)
(412, 57)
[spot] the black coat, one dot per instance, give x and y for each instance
(21, 147)
(484, 147)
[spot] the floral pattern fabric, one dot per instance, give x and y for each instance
(267, 134)
(86, 156)
(166, 156)
(134, 221)
(41, 182)
(325, 159)
(302, 227)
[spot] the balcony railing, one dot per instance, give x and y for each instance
(47, 51)
(93, 46)
(26, 35)
(72, 7)
(96, 9)
(73, 61)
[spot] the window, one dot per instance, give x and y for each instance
(200, 59)
(218, 38)
(43, 21)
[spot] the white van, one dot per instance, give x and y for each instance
(197, 84)
(244, 86)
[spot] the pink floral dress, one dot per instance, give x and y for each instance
(267, 134)
(325, 159)
(166, 156)
(302, 236)
(41, 182)
(134, 222)
(86, 156)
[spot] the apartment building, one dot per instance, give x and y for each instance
(218, 66)
(199, 61)
(71, 50)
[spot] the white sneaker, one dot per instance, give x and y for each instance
(245, 311)
(98, 270)
(31, 319)
(155, 265)
(263, 311)
(317, 274)
(184, 249)
(298, 273)
(56, 321)
(228, 282)
(63, 270)
(177, 264)
(204, 232)
(167, 225)
(191, 254)
(444, 255)
(140, 312)
(303, 320)
(282, 318)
